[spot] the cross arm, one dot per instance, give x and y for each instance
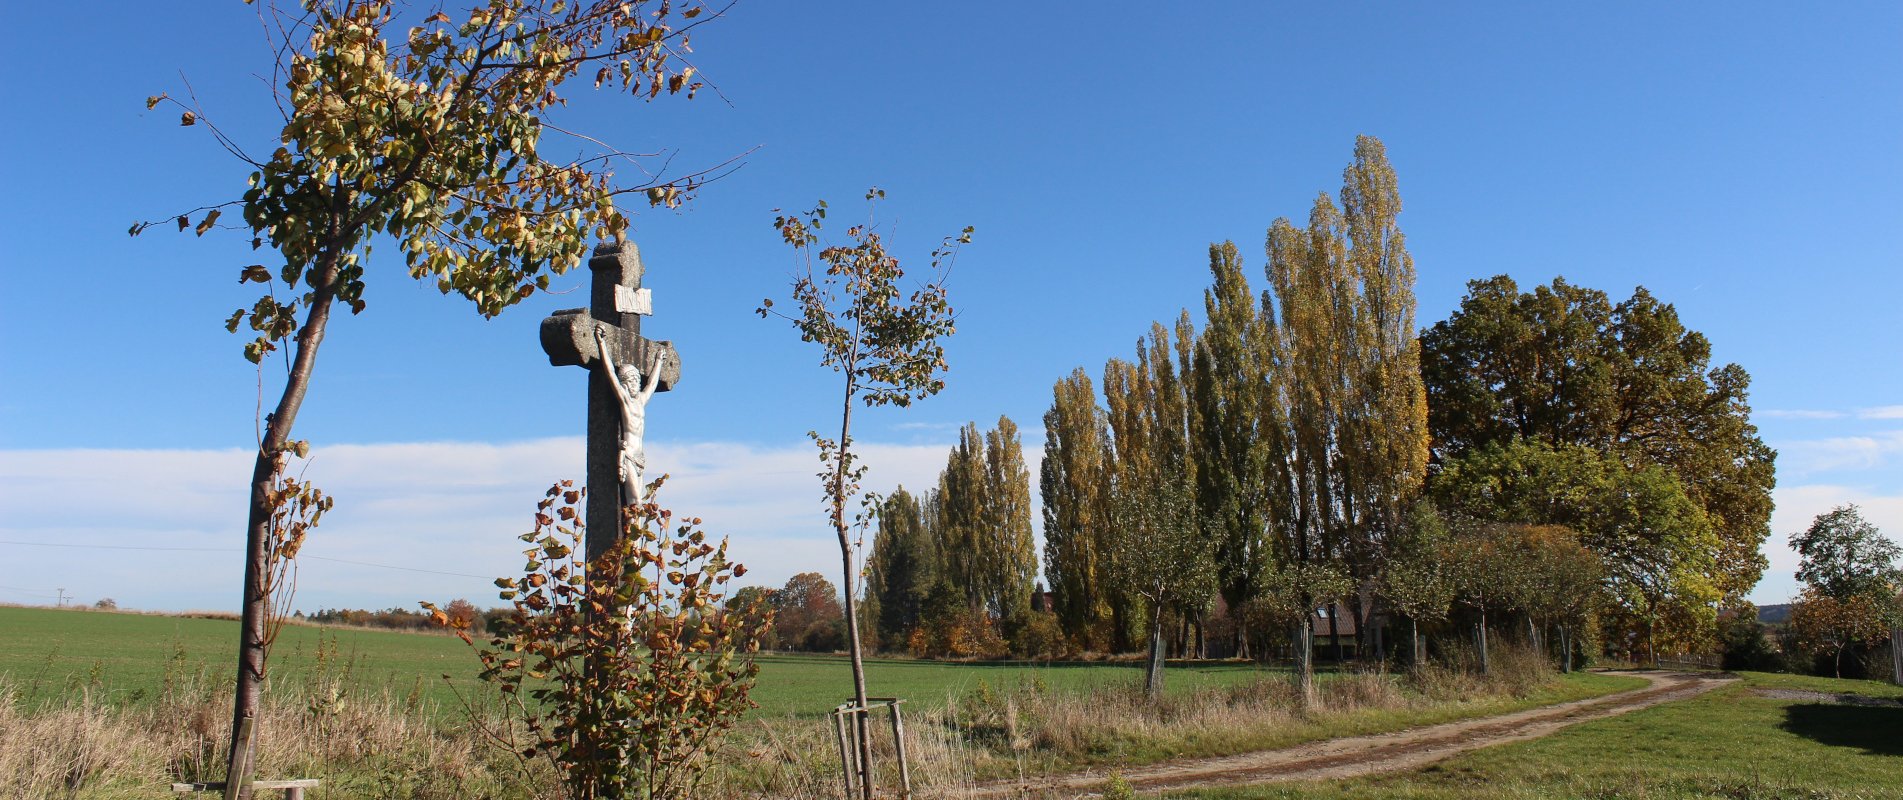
(569, 339)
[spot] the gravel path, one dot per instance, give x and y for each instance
(1364, 755)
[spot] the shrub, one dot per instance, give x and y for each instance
(1037, 635)
(621, 670)
(1746, 647)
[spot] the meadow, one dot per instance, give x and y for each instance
(110, 705)
(1731, 744)
(127, 659)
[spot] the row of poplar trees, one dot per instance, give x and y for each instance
(1550, 455)
(952, 573)
(1266, 458)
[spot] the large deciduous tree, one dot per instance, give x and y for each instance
(1854, 585)
(1657, 544)
(1563, 365)
(429, 134)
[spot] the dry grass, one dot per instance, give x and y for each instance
(386, 746)
(991, 733)
(379, 746)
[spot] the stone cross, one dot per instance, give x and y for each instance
(578, 337)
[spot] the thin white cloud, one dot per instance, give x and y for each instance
(442, 506)
(1805, 457)
(1881, 412)
(1796, 507)
(1800, 413)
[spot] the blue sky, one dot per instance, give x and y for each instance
(1742, 161)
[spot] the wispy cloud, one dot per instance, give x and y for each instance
(1872, 412)
(1810, 456)
(1800, 413)
(442, 506)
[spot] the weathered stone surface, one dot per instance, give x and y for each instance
(568, 337)
(616, 303)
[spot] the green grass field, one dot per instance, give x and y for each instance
(1730, 744)
(48, 655)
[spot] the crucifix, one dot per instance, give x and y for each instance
(624, 371)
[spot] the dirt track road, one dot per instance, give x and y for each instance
(1364, 755)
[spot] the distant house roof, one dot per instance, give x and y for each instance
(1345, 625)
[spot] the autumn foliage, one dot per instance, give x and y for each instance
(623, 671)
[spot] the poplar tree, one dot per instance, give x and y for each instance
(1009, 565)
(1227, 387)
(984, 522)
(1351, 451)
(1159, 552)
(1388, 411)
(960, 513)
(1074, 483)
(902, 569)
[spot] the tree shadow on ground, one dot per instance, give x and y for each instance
(1874, 730)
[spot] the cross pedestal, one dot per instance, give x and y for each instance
(616, 303)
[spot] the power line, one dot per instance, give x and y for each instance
(20, 590)
(121, 547)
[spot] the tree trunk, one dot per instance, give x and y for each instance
(864, 767)
(1379, 635)
(1480, 638)
(1153, 675)
(1357, 610)
(1651, 651)
(1241, 634)
(1837, 663)
(1119, 629)
(1301, 641)
(1416, 658)
(1896, 655)
(277, 432)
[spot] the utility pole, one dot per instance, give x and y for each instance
(62, 597)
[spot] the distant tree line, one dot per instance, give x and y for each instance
(474, 619)
(1547, 463)
(952, 572)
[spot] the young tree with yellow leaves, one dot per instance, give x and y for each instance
(429, 132)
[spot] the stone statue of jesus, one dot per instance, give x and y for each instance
(634, 393)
